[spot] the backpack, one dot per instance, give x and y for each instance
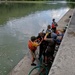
(53, 26)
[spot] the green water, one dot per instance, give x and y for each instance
(17, 23)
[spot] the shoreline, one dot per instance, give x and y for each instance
(24, 66)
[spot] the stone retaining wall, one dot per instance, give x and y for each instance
(64, 63)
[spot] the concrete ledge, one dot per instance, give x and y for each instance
(65, 19)
(22, 68)
(64, 63)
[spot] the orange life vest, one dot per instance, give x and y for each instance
(30, 46)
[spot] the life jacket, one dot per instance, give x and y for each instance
(30, 46)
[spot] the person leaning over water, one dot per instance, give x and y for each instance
(32, 45)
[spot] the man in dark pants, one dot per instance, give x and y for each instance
(42, 46)
(50, 47)
(42, 49)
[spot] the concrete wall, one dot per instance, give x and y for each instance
(64, 63)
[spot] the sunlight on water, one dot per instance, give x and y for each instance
(33, 23)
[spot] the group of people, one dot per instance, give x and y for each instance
(46, 41)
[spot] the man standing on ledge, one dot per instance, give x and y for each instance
(54, 25)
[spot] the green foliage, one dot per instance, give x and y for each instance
(71, 0)
(27, 0)
(71, 3)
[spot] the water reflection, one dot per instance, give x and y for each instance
(33, 23)
(11, 10)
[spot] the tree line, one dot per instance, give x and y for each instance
(31, 0)
(38, 0)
